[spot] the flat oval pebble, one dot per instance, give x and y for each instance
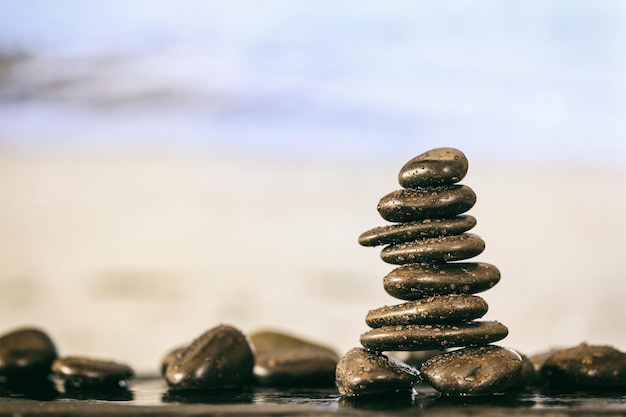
(420, 229)
(360, 372)
(287, 360)
(473, 371)
(83, 372)
(407, 205)
(26, 353)
(436, 167)
(437, 309)
(437, 249)
(222, 357)
(412, 282)
(433, 336)
(586, 366)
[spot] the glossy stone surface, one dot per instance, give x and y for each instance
(222, 357)
(84, 372)
(586, 366)
(286, 360)
(438, 166)
(26, 353)
(169, 357)
(433, 336)
(360, 372)
(473, 371)
(407, 205)
(412, 282)
(420, 229)
(438, 309)
(437, 249)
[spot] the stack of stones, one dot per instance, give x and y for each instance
(440, 311)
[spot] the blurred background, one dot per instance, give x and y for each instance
(169, 166)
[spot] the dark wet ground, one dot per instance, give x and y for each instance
(150, 396)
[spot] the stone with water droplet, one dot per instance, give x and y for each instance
(85, 372)
(362, 372)
(483, 370)
(407, 205)
(438, 166)
(25, 353)
(436, 249)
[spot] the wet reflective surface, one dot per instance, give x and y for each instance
(153, 396)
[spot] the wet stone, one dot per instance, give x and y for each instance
(407, 205)
(169, 357)
(286, 360)
(222, 357)
(420, 229)
(456, 308)
(439, 166)
(439, 249)
(587, 367)
(26, 353)
(528, 375)
(360, 372)
(84, 372)
(415, 281)
(433, 336)
(481, 370)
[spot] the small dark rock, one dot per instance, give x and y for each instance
(427, 336)
(222, 357)
(362, 372)
(286, 360)
(26, 353)
(415, 281)
(436, 167)
(473, 371)
(436, 249)
(83, 372)
(586, 366)
(419, 229)
(454, 308)
(407, 205)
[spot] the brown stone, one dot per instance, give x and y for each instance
(407, 205)
(436, 249)
(436, 167)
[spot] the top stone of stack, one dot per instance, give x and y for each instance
(440, 166)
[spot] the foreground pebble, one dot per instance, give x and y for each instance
(435, 249)
(222, 357)
(282, 359)
(480, 370)
(26, 353)
(585, 366)
(438, 166)
(362, 372)
(84, 372)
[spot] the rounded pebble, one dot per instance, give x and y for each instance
(480, 370)
(415, 281)
(436, 167)
(420, 229)
(407, 205)
(26, 353)
(83, 372)
(438, 249)
(433, 336)
(362, 372)
(222, 357)
(438, 309)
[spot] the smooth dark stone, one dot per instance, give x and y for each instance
(528, 376)
(407, 205)
(222, 357)
(286, 360)
(456, 308)
(433, 336)
(26, 353)
(420, 229)
(415, 281)
(169, 357)
(436, 249)
(436, 167)
(360, 372)
(83, 372)
(473, 371)
(586, 366)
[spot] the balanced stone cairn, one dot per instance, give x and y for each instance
(440, 311)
